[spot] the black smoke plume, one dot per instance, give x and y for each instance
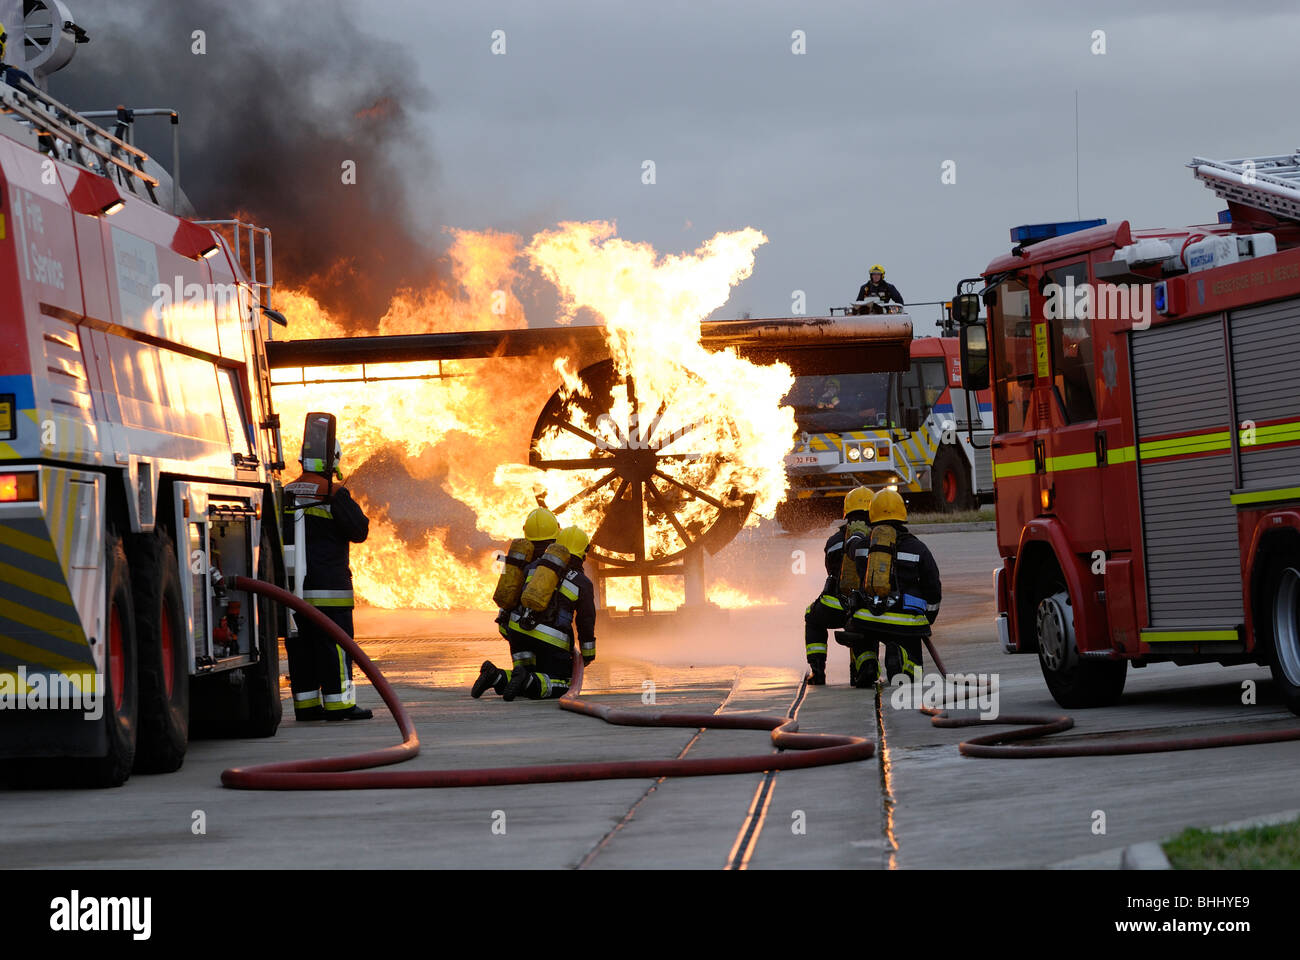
(285, 93)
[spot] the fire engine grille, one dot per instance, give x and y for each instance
(1189, 524)
(65, 369)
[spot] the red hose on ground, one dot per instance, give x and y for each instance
(351, 773)
(999, 745)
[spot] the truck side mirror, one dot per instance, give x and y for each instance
(911, 419)
(966, 308)
(974, 357)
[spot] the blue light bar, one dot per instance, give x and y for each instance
(1033, 232)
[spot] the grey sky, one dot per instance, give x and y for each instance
(836, 154)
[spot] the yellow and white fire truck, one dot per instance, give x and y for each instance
(911, 430)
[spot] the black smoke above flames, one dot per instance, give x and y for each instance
(285, 94)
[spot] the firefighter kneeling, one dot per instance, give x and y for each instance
(540, 531)
(900, 594)
(846, 554)
(558, 601)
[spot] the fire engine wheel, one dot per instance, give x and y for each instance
(163, 660)
(642, 481)
(1075, 682)
(263, 678)
(950, 482)
(245, 702)
(120, 692)
(1283, 593)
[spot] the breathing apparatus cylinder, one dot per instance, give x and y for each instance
(540, 589)
(856, 535)
(880, 561)
(510, 585)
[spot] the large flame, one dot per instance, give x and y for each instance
(441, 456)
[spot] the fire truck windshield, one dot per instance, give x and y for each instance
(847, 401)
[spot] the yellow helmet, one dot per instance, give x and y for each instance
(859, 498)
(574, 540)
(541, 525)
(877, 268)
(888, 505)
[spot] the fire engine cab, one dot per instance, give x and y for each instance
(1146, 448)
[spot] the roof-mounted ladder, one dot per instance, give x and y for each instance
(1265, 183)
(67, 135)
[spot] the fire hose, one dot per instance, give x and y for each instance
(1035, 726)
(813, 749)
(353, 773)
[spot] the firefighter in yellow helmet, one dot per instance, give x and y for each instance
(11, 74)
(901, 591)
(877, 286)
(540, 530)
(830, 609)
(558, 605)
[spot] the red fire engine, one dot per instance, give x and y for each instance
(1146, 449)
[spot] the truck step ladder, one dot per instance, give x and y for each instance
(1265, 183)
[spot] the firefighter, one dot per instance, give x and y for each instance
(541, 641)
(540, 530)
(320, 671)
(877, 287)
(11, 74)
(829, 611)
(901, 591)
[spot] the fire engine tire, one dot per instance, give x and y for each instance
(244, 702)
(262, 680)
(1075, 682)
(120, 690)
(950, 482)
(1281, 619)
(164, 729)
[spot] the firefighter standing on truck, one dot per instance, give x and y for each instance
(876, 286)
(843, 576)
(320, 671)
(10, 75)
(558, 604)
(540, 530)
(901, 590)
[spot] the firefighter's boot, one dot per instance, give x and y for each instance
(307, 705)
(903, 657)
(866, 669)
(817, 670)
(521, 678)
(351, 713)
(489, 676)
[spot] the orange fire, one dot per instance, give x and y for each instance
(452, 440)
